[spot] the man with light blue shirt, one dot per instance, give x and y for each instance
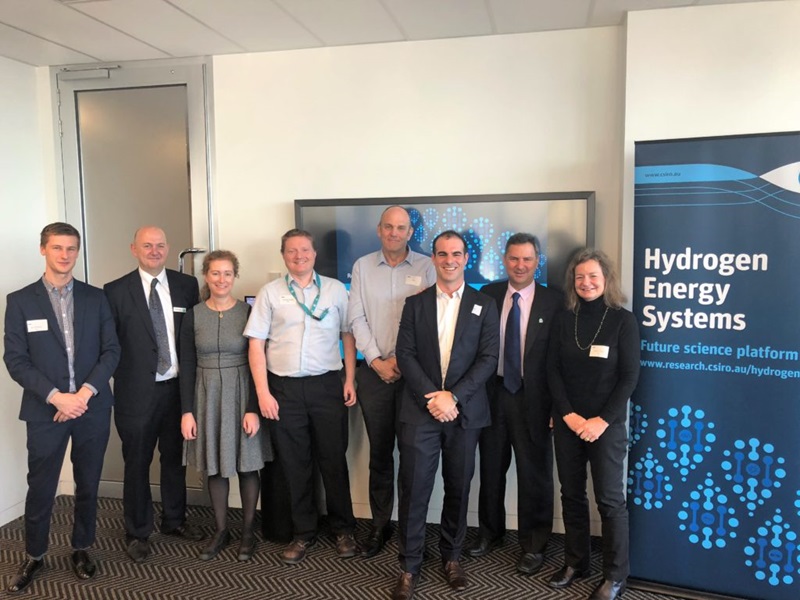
(380, 284)
(294, 333)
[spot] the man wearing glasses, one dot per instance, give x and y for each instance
(294, 332)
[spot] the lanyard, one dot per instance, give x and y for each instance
(309, 312)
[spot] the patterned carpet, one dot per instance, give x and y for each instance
(174, 572)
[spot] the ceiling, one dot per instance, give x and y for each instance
(59, 32)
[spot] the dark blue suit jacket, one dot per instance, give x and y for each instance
(37, 359)
(134, 380)
(473, 359)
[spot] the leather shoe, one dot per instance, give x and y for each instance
(456, 577)
(378, 537)
(138, 549)
(483, 546)
(530, 562)
(609, 590)
(295, 552)
(247, 545)
(82, 565)
(404, 588)
(187, 532)
(346, 546)
(25, 575)
(218, 542)
(565, 576)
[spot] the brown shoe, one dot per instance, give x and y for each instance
(456, 577)
(404, 588)
(295, 552)
(346, 545)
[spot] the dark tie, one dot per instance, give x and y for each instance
(160, 327)
(512, 370)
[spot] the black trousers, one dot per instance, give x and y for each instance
(47, 445)
(380, 403)
(515, 426)
(313, 426)
(420, 448)
(606, 457)
(140, 434)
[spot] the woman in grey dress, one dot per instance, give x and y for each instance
(220, 422)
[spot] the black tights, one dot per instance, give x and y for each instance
(249, 488)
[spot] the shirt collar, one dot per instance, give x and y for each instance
(50, 287)
(408, 259)
(147, 278)
(526, 293)
(457, 294)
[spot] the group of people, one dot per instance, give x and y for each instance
(446, 369)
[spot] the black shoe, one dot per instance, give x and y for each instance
(456, 577)
(404, 588)
(83, 566)
(565, 576)
(187, 532)
(378, 537)
(483, 546)
(218, 542)
(25, 575)
(138, 549)
(247, 545)
(530, 563)
(609, 590)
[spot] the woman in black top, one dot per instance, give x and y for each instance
(593, 367)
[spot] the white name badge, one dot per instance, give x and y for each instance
(598, 351)
(476, 310)
(179, 309)
(286, 299)
(37, 325)
(414, 280)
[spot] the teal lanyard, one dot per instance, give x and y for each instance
(309, 312)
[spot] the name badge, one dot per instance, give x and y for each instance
(37, 325)
(179, 309)
(598, 352)
(414, 280)
(287, 299)
(476, 310)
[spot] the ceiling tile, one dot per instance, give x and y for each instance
(341, 22)
(427, 19)
(612, 12)
(516, 16)
(27, 48)
(161, 25)
(256, 25)
(63, 25)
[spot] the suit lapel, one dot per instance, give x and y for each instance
(533, 320)
(52, 322)
(140, 302)
(430, 312)
(464, 310)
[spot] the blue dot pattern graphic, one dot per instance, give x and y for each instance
(638, 424)
(707, 518)
(772, 553)
(648, 485)
(687, 436)
(754, 471)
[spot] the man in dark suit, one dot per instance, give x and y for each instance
(446, 349)
(521, 407)
(60, 346)
(148, 306)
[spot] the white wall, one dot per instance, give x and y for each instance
(26, 182)
(502, 114)
(708, 71)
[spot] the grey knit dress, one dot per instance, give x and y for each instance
(217, 388)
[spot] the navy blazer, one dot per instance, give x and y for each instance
(473, 359)
(36, 353)
(547, 303)
(135, 378)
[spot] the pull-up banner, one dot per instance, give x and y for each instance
(714, 470)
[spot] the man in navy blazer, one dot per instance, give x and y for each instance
(61, 347)
(520, 412)
(447, 349)
(148, 408)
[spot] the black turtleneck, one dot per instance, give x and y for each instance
(593, 386)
